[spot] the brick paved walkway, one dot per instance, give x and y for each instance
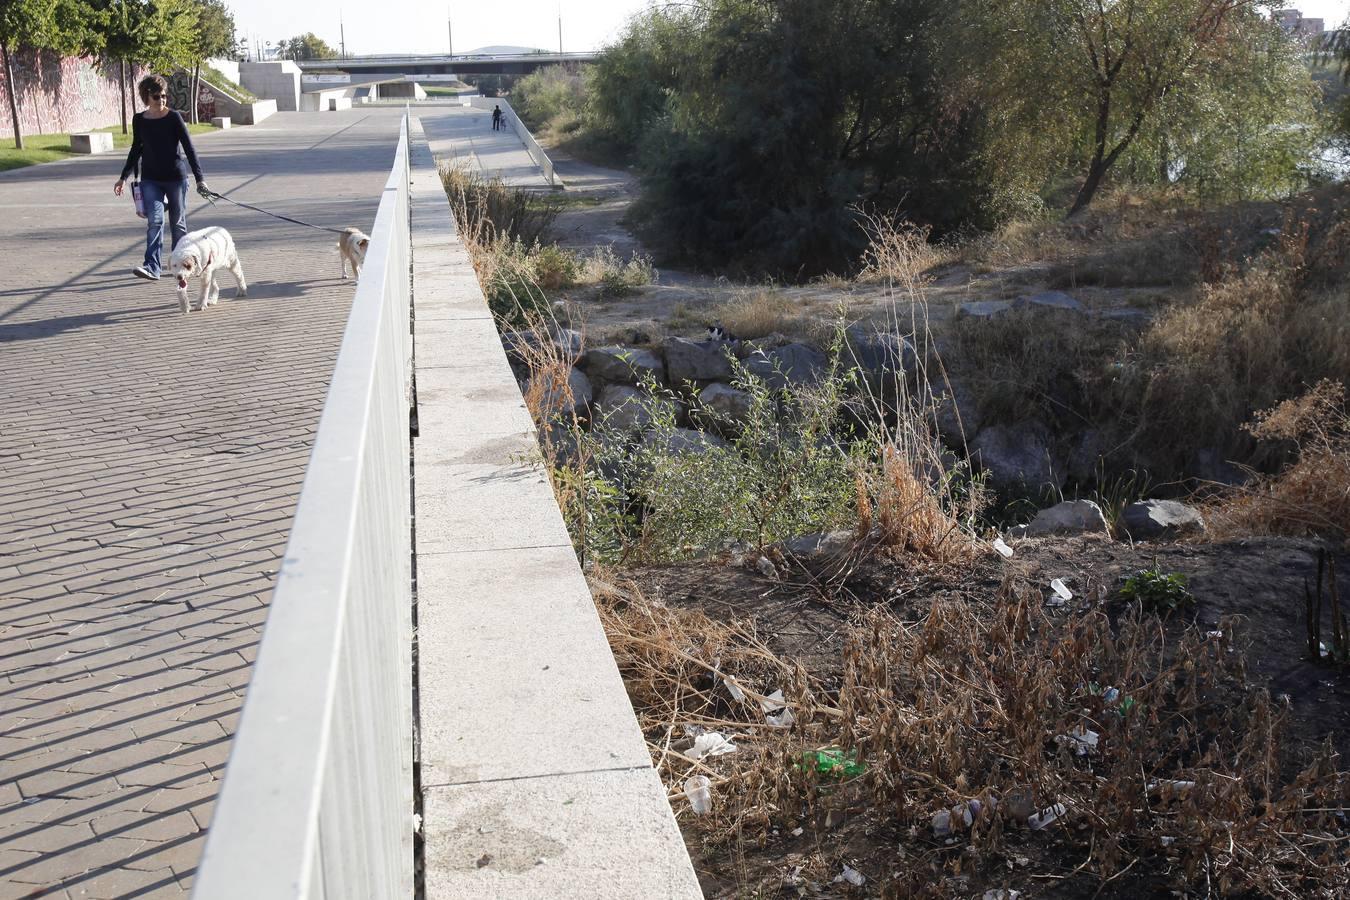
(149, 464)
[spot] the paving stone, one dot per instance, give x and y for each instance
(128, 540)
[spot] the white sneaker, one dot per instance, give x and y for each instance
(143, 272)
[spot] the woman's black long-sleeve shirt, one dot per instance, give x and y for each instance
(155, 143)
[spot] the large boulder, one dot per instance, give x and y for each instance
(819, 544)
(984, 309)
(682, 441)
(574, 400)
(794, 364)
(727, 404)
(688, 360)
(521, 345)
(1069, 517)
(1016, 455)
(630, 409)
(1048, 300)
(624, 365)
(956, 413)
(881, 356)
(1153, 519)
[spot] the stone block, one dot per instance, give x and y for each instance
(91, 142)
(607, 834)
(220, 122)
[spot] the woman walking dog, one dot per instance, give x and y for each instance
(157, 135)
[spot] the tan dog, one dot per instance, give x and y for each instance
(352, 244)
(202, 254)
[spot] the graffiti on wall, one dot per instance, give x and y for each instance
(61, 94)
(180, 97)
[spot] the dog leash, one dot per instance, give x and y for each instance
(212, 197)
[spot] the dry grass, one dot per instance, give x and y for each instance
(1312, 495)
(760, 312)
(965, 713)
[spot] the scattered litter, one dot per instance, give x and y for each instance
(765, 567)
(942, 823)
(1061, 590)
(1001, 894)
(484, 860)
(1216, 635)
(1110, 695)
(417, 823)
(1046, 817)
(776, 711)
(1001, 546)
(541, 860)
(485, 829)
(713, 743)
(1170, 786)
(834, 762)
(1022, 861)
(1167, 841)
(851, 875)
(733, 688)
(1081, 740)
(698, 791)
(962, 814)
(797, 832)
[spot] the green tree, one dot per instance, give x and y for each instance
(213, 38)
(157, 33)
(60, 25)
(305, 46)
(780, 119)
(1090, 81)
(547, 93)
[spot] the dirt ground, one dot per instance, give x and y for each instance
(683, 303)
(1254, 587)
(804, 615)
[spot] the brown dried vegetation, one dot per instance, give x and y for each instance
(971, 710)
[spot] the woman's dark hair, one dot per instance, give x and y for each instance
(148, 84)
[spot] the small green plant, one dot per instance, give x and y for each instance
(554, 267)
(1158, 591)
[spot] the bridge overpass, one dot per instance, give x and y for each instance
(441, 64)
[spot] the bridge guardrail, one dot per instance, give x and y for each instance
(317, 799)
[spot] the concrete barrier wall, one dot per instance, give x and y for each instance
(531, 145)
(536, 781)
(279, 81)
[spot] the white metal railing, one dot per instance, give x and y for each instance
(317, 800)
(531, 145)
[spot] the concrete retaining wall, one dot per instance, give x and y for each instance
(535, 779)
(62, 93)
(279, 81)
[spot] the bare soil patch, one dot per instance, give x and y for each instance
(1254, 589)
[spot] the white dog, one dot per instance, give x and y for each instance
(202, 254)
(352, 244)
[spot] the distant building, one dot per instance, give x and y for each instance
(1307, 31)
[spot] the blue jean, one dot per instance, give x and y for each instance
(157, 195)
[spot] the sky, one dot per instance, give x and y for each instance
(419, 26)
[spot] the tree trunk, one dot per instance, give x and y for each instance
(122, 85)
(195, 86)
(1089, 189)
(13, 102)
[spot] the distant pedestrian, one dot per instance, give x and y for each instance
(496, 118)
(157, 135)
